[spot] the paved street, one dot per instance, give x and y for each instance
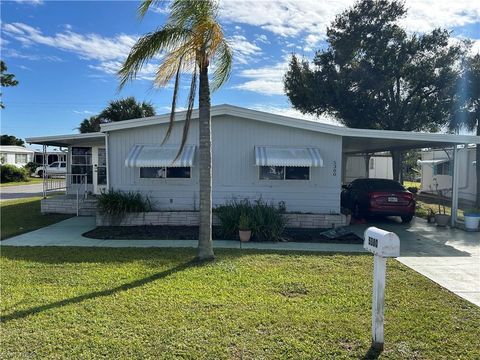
(20, 191)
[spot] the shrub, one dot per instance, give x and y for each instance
(265, 220)
(10, 173)
(118, 203)
(31, 167)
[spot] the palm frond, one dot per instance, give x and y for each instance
(149, 45)
(222, 62)
(188, 116)
(174, 102)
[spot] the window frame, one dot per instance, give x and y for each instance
(166, 173)
(22, 155)
(285, 173)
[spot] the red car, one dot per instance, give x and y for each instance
(366, 197)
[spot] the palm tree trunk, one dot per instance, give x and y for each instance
(205, 246)
(397, 165)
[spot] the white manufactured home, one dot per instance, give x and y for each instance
(15, 155)
(255, 155)
(437, 170)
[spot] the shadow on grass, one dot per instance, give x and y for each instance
(97, 294)
(372, 354)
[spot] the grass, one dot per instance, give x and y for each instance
(82, 303)
(23, 215)
(31, 181)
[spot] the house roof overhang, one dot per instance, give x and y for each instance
(354, 140)
(68, 140)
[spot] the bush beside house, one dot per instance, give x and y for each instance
(11, 173)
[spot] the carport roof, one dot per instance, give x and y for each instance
(66, 140)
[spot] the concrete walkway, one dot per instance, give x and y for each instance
(69, 233)
(449, 257)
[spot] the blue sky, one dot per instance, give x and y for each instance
(65, 53)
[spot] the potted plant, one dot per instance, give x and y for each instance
(431, 216)
(244, 230)
(442, 218)
(472, 219)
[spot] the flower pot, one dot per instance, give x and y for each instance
(472, 221)
(431, 219)
(442, 219)
(245, 235)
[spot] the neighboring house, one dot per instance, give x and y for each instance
(15, 155)
(255, 155)
(436, 167)
(378, 166)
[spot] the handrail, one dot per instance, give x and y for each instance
(62, 182)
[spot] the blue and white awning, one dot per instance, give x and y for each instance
(287, 156)
(160, 156)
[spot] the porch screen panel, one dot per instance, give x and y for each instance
(82, 164)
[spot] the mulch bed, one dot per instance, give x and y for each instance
(191, 233)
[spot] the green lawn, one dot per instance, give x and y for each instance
(29, 182)
(23, 215)
(82, 303)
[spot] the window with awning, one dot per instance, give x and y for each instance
(155, 156)
(288, 156)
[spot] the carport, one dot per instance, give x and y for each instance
(366, 142)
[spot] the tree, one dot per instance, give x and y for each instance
(126, 109)
(191, 41)
(6, 80)
(11, 140)
(91, 124)
(374, 75)
(468, 114)
(117, 110)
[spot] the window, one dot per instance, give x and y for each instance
(442, 169)
(82, 164)
(3, 158)
(63, 165)
(284, 173)
(21, 158)
(165, 173)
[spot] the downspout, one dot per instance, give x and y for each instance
(107, 157)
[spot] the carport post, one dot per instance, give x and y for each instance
(455, 174)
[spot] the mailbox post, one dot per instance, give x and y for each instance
(382, 244)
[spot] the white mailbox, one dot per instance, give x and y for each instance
(382, 243)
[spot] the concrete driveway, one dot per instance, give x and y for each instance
(449, 257)
(20, 191)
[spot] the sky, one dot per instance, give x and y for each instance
(65, 53)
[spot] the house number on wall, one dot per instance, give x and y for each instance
(334, 172)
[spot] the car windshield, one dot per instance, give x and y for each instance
(382, 185)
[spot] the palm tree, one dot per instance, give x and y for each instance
(126, 109)
(191, 41)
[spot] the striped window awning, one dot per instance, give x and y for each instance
(160, 156)
(287, 156)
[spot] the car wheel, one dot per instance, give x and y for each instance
(407, 219)
(40, 173)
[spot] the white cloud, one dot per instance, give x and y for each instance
(83, 112)
(244, 51)
(109, 52)
(310, 18)
(287, 111)
(267, 80)
(30, 2)
(262, 38)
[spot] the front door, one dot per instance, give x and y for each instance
(99, 159)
